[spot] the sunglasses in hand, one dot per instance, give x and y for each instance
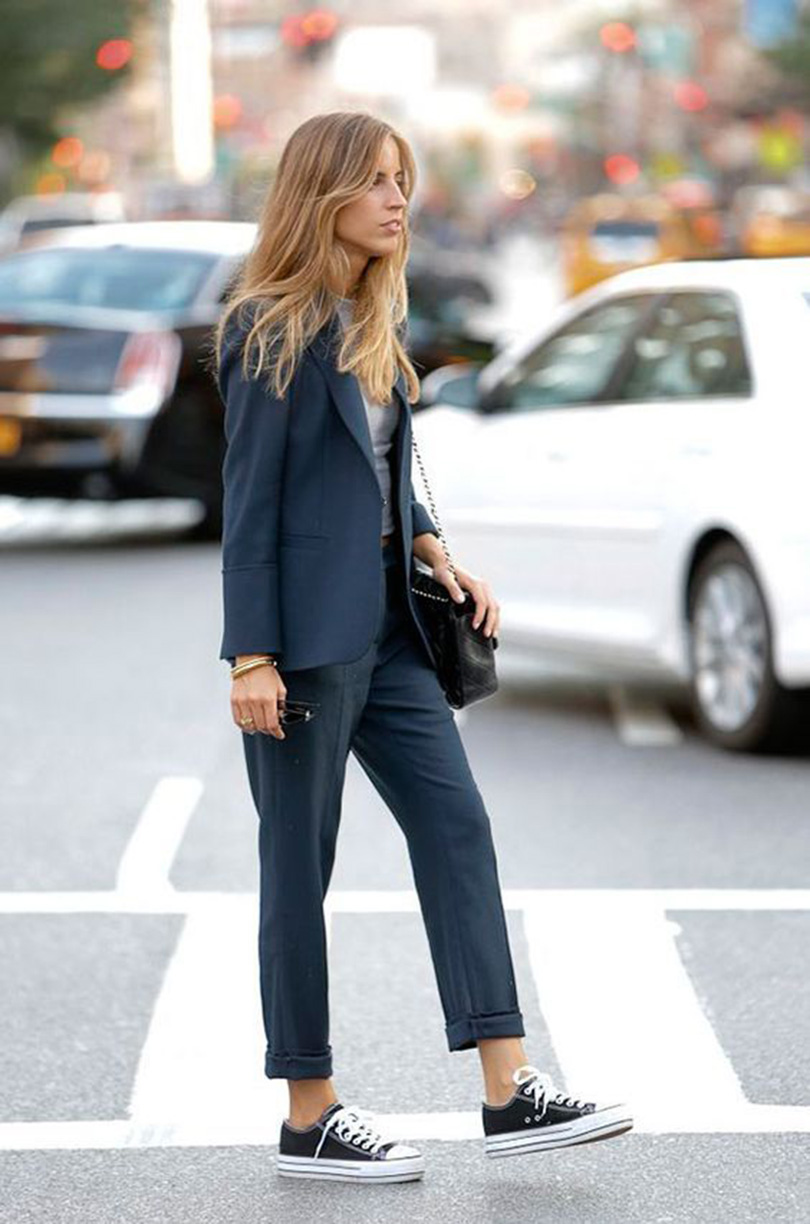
(290, 712)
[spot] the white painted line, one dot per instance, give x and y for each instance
(405, 901)
(106, 902)
(11, 512)
(41, 1136)
(624, 1018)
(147, 860)
(67, 518)
(34, 515)
(636, 902)
(75, 519)
(640, 721)
(449, 1127)
(646, 1041)
(203, 1058)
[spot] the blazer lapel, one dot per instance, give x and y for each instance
(345, 390)
(402, 447)
(349, 400)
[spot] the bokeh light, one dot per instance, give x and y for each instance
(620, 168)
(227, 110)
(67, 152)
(517, 184)
(618, 36)
(511, 97)
(94, 166)
(50, 183)
(690, 96)
(114, 53)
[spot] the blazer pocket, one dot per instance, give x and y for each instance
(297, 539)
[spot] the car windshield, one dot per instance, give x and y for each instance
(111, 278)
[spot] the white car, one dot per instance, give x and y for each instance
(28, 215)
(634, 484)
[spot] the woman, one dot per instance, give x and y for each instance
(320, 533)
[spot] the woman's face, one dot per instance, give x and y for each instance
(364, 227)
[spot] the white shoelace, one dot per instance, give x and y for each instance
(542, 1088)
(354, 1125)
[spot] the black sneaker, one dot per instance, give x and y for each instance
(343, 1145)
(537, 1117)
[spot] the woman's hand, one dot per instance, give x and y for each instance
(486, 605)
(256, 694)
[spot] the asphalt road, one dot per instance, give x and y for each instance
(656, 892)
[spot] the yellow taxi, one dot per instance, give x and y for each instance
(777, 222)
(605, 234)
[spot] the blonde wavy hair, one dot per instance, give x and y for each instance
(294, 275)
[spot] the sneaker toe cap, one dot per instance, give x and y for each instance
(402, 1151)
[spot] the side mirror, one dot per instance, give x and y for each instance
(455, 385)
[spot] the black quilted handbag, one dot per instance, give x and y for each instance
(465, 659)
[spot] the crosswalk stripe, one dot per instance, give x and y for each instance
(203, 1055)
(405, 900)
(24, 519)
(148, 857)
(646, 1042)
(625, 1020)
(641, 721)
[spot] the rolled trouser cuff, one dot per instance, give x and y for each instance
(290, 1065)
(462, 1034)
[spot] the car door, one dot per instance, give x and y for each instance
(673, 407)
(528, 516)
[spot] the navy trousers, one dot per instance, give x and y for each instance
(388, 709)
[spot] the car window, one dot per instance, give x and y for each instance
(574, 365)
(693, 346)
(122, 278)
(617, 241)
(33, 225)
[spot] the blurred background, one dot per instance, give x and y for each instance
(519, 112)
(609, 311)
(562, 149)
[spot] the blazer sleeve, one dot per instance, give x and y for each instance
(422, 521)
(256, 428)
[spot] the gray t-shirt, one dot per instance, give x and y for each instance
(382, 423)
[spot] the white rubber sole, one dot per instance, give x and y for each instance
(601, 1124)
(404, 1168)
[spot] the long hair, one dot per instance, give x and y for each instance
(295, 273)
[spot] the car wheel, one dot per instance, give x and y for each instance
(736, 699)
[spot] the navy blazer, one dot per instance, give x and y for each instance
(302, 510)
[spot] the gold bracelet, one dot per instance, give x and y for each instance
(243, 668)
(240, 668)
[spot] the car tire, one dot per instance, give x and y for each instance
(736, 700)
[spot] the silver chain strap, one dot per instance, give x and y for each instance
(434, 515)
